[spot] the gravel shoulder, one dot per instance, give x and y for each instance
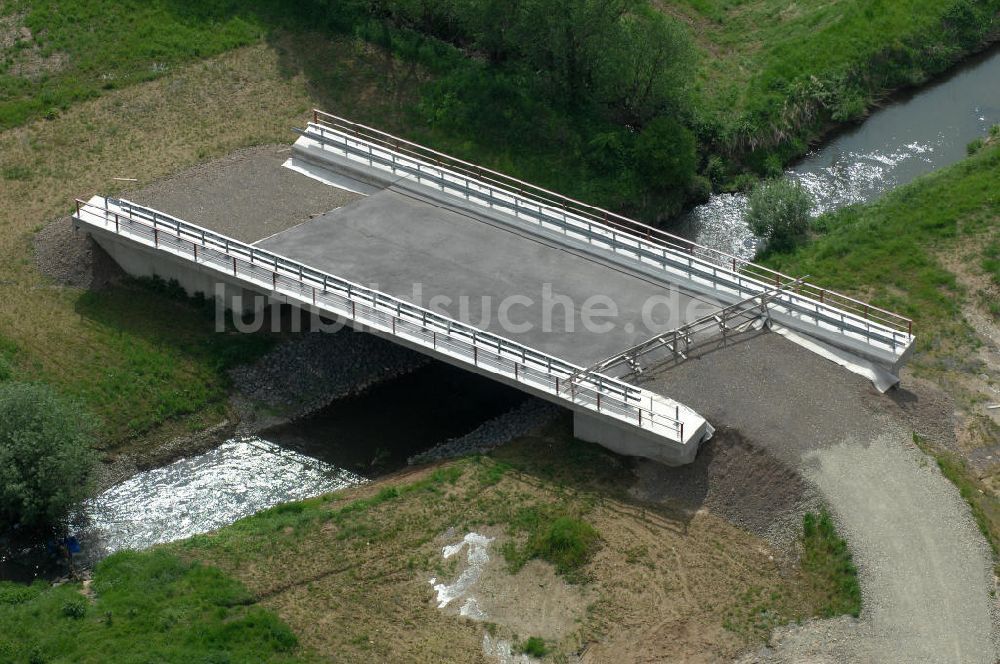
(924, 567)
(246, 195)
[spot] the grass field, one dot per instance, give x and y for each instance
(137, 358)
(345, 577)
(141, 607)
(893, 250)
(775, 73)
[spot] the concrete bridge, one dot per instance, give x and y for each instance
(563, 300)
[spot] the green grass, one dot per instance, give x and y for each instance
(8, 352)
(168, 361)
(95, 45)
(776, 73)
(535, 647)
(889, 251)
(991, 261)
(147, 607)
(565, 541)
(827, 564)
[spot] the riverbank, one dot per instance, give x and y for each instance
(143, 377)
(927, 249)
(775, 79)
(360, 575)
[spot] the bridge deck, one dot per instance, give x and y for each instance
(488, 275)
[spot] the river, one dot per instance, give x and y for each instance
(913, 135)
(361, 437)
(345, 444)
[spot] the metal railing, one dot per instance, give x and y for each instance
(734, 318)
(379, 311)
(608, 230)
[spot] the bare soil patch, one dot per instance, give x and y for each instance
(664, 586)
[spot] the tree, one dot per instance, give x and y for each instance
(779, 213)
(666, 155)
(45, 457)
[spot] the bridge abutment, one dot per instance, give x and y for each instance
(632, 441)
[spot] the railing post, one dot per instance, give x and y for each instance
(234, 264)
(274, 281)
(117, 230)
(195, 247)
(156, 238)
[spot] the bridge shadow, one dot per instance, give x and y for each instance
(731, 478)
(553, 457)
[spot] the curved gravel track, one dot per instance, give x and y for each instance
(925, 569)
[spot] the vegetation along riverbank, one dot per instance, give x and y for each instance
(574, 563)
(642, 107)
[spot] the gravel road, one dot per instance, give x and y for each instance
(924, 567)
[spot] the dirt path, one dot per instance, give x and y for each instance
(925, 569)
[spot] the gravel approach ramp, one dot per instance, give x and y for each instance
(925, 569)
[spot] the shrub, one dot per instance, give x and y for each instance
(566, 542)
(779, 213)
(974, 146)
(535, 647)
(666, 154)
(74, 608)
(700, 189)
(45, 459)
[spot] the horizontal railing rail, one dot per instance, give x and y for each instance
(644, 242)
(381, 311)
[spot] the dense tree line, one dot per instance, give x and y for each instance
(603, 84)
(617, 54)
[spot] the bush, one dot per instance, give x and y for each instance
(45, 457)
(779, 213)
(974, 146)
(74, 608)
(699, 189)
(535, 647)
(566, 542)
(666, 154)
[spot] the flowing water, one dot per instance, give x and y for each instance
(340, 446)
(912, 136)
(362, 436)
